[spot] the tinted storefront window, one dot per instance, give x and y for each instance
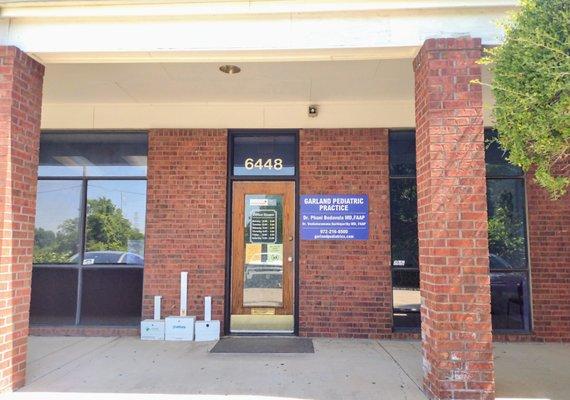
(93, 154)
(404, 222)
(120, 204)
(90, 227)
(404, 231)
(267, 155)
(58, 217)
(508, 257)
(496, 158)
(403, 154)
(506, 213)
(54, 296)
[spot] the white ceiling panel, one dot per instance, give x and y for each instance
(224, 89)
(68, 90)
(369, 80)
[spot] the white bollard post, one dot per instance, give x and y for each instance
(183, 293)
(207, 308)
(157, 301)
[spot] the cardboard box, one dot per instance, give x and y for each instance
(207, 330)
(179, 328)
(152, 329)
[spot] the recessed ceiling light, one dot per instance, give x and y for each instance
(230, 69)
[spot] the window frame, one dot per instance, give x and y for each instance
(83, 224)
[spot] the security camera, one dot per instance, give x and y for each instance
(313, 111)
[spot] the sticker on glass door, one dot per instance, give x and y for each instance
(263, 267)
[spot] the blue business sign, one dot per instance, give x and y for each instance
(334, 217)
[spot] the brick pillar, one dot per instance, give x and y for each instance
(20, 105)
(452, 222)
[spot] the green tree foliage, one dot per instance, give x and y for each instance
(107, 230)
(52, 248)
(506, 237)
(531, 85)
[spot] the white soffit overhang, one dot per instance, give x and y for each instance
(214, 31)
(349, 94)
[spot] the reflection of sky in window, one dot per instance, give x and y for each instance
(95, 170)
(93, 154)
(129, 196)
(57, 201)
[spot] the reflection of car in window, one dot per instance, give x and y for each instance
(508, 291)
(496, 262)
(109, 257)
(270, 271)
(497, 265)
(262, 269)
(406, 294)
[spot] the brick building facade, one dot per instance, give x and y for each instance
(342, 288)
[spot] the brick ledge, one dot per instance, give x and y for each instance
(104, 331)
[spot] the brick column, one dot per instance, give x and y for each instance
(20, 105)
(452, 222)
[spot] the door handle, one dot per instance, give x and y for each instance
(290, 259)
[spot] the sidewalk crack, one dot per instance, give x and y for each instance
(55, 351)
(97, 348)
(400, 366)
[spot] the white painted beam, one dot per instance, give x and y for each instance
(227, 115)
(227, 56)
(258, 31)
(384, 114)
(91, 9)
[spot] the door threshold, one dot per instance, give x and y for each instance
(260, 332)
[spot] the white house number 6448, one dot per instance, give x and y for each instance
(270, 163)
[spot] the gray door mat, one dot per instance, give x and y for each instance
(263, 344)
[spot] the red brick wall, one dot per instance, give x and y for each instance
(345, 286)
(186, 219)
(20, 105)
(452, 222)
(549, 240)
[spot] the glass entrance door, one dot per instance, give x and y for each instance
(263, 247)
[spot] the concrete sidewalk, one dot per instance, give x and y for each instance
(127, 369)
